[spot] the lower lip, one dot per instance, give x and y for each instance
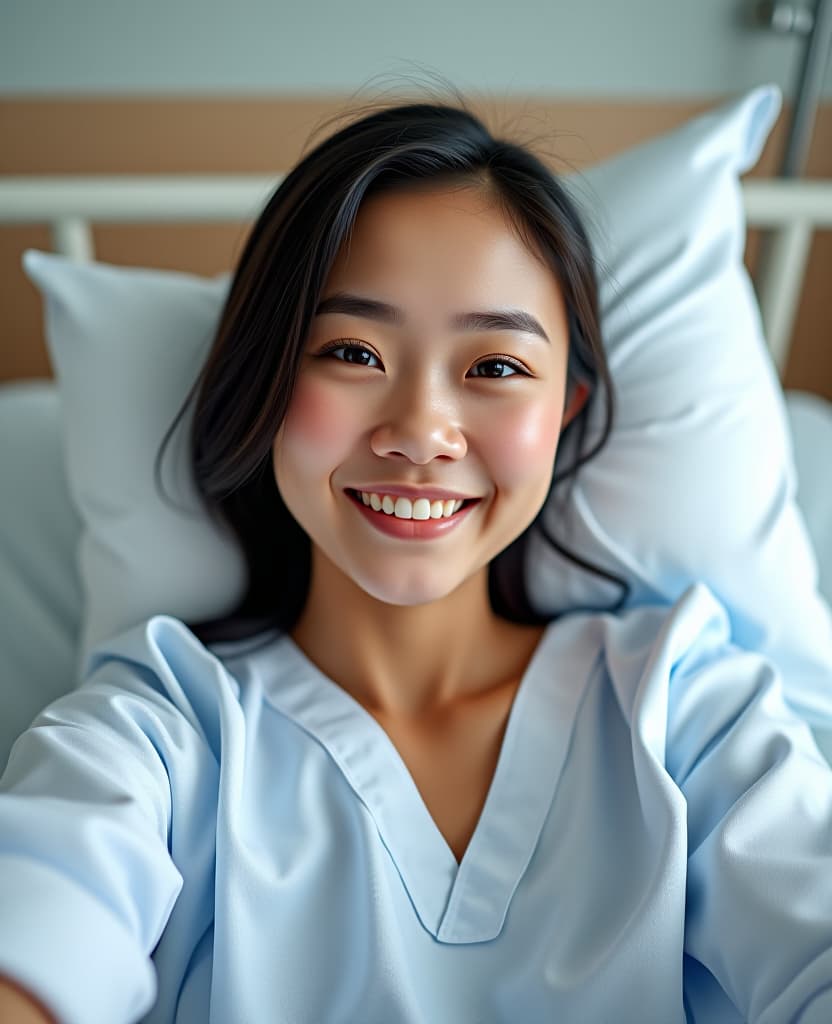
(411, 529)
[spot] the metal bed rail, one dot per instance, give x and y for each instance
(791, 209)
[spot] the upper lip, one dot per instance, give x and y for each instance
(405, 491)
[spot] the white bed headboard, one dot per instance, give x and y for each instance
(792, 209)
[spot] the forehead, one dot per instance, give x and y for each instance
(454, 247)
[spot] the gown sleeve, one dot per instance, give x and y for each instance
(101, 804)
(759, 823)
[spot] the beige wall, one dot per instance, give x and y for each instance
(137, 136)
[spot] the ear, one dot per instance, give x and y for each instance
(575, 402)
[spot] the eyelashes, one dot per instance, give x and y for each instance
(359, 354)
(354, 347)
(503, 363)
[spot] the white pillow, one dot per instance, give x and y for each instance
(40, 593)
(810, 419)
(696, 481)
(126, 346)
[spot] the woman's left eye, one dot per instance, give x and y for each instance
(500, 367)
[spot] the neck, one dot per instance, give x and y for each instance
(406, 661)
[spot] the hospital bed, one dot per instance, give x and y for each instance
(44, 596)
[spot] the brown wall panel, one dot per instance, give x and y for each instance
(214, 136)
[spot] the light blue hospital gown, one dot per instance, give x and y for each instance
(237, 839)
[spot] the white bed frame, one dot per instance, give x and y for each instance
(792, 209)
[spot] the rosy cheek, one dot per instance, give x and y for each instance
(321, 424)
(521, 443)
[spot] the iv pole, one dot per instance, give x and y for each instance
(784, 255)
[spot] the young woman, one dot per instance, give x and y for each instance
(382, 791)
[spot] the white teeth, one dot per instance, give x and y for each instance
(421, 508)
(404, 508)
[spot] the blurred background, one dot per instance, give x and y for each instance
(198, 86)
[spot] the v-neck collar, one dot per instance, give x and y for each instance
(465, 902)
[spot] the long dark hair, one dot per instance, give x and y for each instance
(245, 386)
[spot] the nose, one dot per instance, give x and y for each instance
(419, 427)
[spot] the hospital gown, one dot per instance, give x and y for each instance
(228, 836)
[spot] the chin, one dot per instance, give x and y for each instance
(410, 593)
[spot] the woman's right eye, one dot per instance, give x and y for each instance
(358, 355)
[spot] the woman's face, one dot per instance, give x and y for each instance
(434, 372)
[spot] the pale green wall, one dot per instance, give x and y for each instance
(604, 48)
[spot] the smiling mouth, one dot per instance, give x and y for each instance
(420, 509)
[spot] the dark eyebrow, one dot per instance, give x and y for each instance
(354, 305)
(500, 320)
(490, 320)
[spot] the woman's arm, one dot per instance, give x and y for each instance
(759, 814)
(18, 1007)
(105, 806)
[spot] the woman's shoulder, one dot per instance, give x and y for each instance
(683, 684)
(166, 642)
(158, 665)
(697, 616)
(659, 658)
(152, 695)
(161, 645)
(659, 637)
(162, 661)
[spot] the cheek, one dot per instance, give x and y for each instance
(320, 427)
(522, 443)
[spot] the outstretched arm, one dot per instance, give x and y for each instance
(759, 808)
(105, 806)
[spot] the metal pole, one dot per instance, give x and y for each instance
(788, 248)
(809, 91)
